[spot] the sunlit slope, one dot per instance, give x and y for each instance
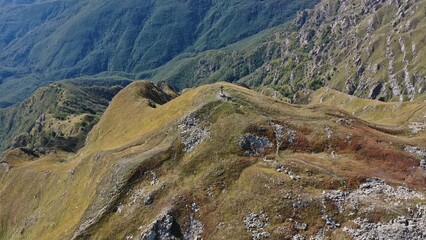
(410, 116)
(207, 164)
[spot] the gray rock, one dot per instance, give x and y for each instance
(192, 134)
(328, 132)
(287, 171)
(345, 122)
(129, 237)
(376, 186)
(306, 36)
(155, 179)
(417, 127)
(301, 18)
(330, 222)
(298, 237)
(299, 204)
(292, 134)
(166, 228)
(279, 133)
(148, 200)
(423, 163)
(254, 145)
(372, 188)
(399, 228)
(421, 152)
(72, 171)
(255, 224)
(318, 236)
(338, 198)
(194, 230)
(194, 207)
(120, 208)
(284, 133)
(160, 229)
(416, 150)
(301, 226)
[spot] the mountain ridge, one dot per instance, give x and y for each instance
(213, 166)
(310, 129)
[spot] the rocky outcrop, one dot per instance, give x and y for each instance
(191, 132)
(195, 230)
(142, 196)
(421, 152)
(301, 18)
(156, 94)
(166, 88)
(371, 188)
(291, 174)
(417, 127)
(21, 140)
(255, 224)
(402, 227)
(163, 228)
(254, 145)
(376, 186)
(393, 81)
(407, 77)
(343, 42)
(413, 227)
(330, 222)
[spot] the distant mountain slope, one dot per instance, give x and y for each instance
(42, 41)
(372, 49)
(57, 116)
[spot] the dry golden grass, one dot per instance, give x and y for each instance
(50, 197)
(384, 113)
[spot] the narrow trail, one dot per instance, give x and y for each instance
(317, 166)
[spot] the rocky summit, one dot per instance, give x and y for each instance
(231, 165)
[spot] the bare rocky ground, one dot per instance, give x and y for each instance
(191, 132)
(413, 227)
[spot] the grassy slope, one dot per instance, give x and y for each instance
(392, 114)
(133, 138)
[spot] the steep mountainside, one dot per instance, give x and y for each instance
(43, 41)
(232, 165)
(368, 48)
(57, 116)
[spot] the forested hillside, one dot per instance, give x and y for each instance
(44, 41)
(372, 49)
